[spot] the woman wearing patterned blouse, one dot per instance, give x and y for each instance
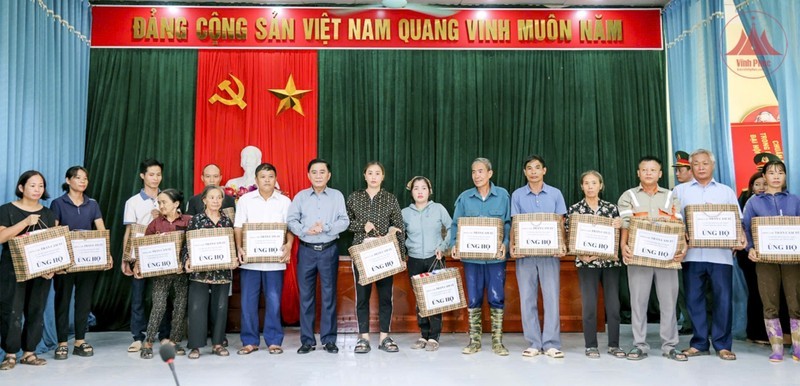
(213, 285)
(171, 220)
(593, 271)
(374, 212)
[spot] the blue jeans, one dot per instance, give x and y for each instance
(489, 277)
(251, 283)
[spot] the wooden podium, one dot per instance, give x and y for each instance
(404, 317)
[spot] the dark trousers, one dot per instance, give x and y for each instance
(251, 283)
(589, 280)
(309, 264)
(201, 305)
(489, 277)
(773, 277)
(83, 284)
(138, 316)
(363, 294)
(695, 276)
(430, 327)
(26, 299)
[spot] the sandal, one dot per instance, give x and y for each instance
(32, 360)
(61, 353)
(676, 356)
(531, 352)
(362, 346)
(275, 349)
(693, 352)
(432, 345)
(194, 354)
(179, 350)
(247, 349)
(388, 345)
(419, 344)
(84, 350)
(636, 354)
(8, 363)
(553, 352)
(617, 352)
(146, 353)
(726, 355)
(220, 351)
(592, 352)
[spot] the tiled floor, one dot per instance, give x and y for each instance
(112, 365)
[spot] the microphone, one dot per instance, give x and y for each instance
(167, 352)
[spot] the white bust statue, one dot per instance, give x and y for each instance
(251, 158)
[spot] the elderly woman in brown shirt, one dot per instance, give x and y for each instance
(374, 212)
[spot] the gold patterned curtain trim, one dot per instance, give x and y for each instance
(64, 23)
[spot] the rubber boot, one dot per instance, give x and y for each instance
(475, 331)
(497, 332)
(775, 335)
(795, 326)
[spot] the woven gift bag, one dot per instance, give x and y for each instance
(176, 238)
(576, 219)
(77, 236)
(250, 227)
(223, 234)
(493, 222)
(787, 223)
(420, 282)
(356, 251)
(656, 225)
(712, 211)
(52, 244)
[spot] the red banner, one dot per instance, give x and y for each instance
(378, 28)
(266, 99)
(750, 139)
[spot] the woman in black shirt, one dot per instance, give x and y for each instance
(27, 298)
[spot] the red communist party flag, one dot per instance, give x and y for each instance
(266, 99)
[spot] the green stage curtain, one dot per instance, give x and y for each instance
(432, 112)
(141, 105)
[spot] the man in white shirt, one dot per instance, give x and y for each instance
(265, 205)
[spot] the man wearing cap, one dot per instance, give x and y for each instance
(714, 265)
(683, 173)
(683, 170)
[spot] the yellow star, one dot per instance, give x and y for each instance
(290, 97)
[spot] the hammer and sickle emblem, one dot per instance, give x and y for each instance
(236, 98)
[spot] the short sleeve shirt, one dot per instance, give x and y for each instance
(10, 215)
(253, 208)
(76, 217)
(139, 209)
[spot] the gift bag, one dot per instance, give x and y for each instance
(211, 249)
(377, 259)
(132, 231)
(777, 239)
(479, 238)
(40, 252)
(538, 234)
(159, 255)
(591, 235)
(91, 251)
(655, 241)
(439, 291)
(714, 225)
(262, 242)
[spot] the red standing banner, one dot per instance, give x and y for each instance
(378, 28)
(266, 99)
(750, 139)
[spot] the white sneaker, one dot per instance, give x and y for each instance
(553, 352)
(135, 346)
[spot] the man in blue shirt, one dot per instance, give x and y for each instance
(538, 197)
(702, 265)
(317, 216)
(484, 200)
